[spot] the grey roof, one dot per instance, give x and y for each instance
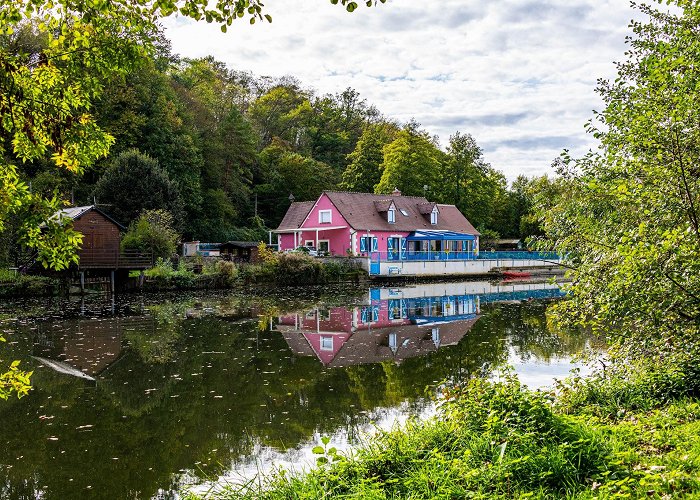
(75, 213)
(240, 244)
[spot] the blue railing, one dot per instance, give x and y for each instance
(518, 255)
(441, 256)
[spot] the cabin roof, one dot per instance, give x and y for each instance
(75, 213)
(239, 244)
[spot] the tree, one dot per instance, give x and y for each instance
(410, 162)
(135, 182)
(629, 220)
(153, 232)
(364, 170)
(48, 95)
(335, 125)
(287, 172)
(282, 112)
(472, 184)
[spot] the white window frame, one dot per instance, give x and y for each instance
(322, 213)
(323, 346)
(434, 216)
(391, 216)
(310, 244)
(327, 242)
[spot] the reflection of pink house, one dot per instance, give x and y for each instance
(368, 334)
(401, 227)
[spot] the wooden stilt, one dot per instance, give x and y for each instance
(111, 280)
(82, 282)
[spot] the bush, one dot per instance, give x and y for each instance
(19, 285)
(164, 275)
(298, 269)
(152, 233)
(226, 272)
(489, 440)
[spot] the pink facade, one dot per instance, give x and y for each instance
(333, 236)
(337, 234)
(343, 223)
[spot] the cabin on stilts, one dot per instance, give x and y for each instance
(100, 256)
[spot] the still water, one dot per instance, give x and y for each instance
(144, 397)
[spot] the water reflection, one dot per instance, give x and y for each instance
(190, 388)
(399, 323)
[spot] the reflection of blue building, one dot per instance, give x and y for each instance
(399, 323)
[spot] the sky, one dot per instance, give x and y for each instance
(518, 75)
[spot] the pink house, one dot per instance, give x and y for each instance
(392, 227)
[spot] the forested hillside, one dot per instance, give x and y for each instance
(225, 151)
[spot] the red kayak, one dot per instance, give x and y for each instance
(516, 274)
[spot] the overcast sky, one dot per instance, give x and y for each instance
(519, 76)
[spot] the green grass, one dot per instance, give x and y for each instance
(499, 440)
(16, 285)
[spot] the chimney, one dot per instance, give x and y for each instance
(396, 192)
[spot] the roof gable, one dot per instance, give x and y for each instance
(361, 212)
(75, 213)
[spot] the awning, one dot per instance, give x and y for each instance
(438, 235)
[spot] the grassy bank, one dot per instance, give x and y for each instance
(19, 285)
(279, 269)
(596, 439)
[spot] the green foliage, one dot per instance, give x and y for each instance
(152, 233)
(14, 284)
(364, 170)
(298, 268)
(164, 276)
(227, 272)
(14, 381)
(53, 73)
(47, 92)
(288, 173)
(490, 440)
(628, 218)
(488, 239)
(410, 162)
(134, 183)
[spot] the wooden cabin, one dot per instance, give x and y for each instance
(101, 240)
(239, 251)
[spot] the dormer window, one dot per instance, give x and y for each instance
(391, 215)
(434, 216)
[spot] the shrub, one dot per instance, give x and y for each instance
(152, 233)
(297, 269)
(226, 272)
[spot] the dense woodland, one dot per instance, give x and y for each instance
(225, 151)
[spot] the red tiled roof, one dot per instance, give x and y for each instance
(425, 208)
(367, 211)
(361, 213)
(296, 213)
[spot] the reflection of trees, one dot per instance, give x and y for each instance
(528, 333)
(158, 411)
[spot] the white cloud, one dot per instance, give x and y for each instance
(518, 75)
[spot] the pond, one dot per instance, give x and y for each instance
(143, 397)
